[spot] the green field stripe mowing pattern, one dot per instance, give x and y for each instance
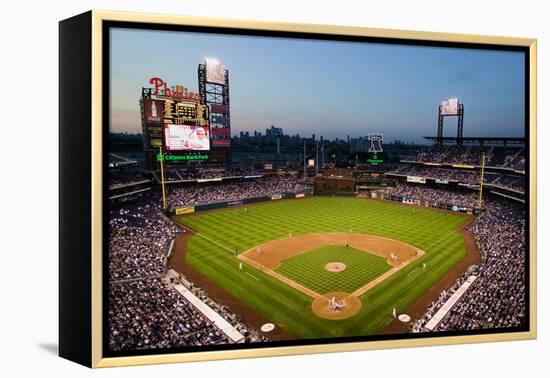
(308, 269)
(237, 229)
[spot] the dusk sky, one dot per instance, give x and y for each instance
(325, 87)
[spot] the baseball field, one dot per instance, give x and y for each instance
(292, 260)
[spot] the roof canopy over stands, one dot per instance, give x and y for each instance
(480, 141)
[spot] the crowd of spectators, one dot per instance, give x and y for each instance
(184, 174)
(250, 335)
(139, 236)
(194, 174)
(496, 299)
(433, 307)
(145, 311)
(423, 193)
(124, 177)
(455, 155)
(464, 176)
(518, 164)
(150, 314)
(129, 175)
(509, 158)
(169, 175)
(510, 182)
(467, 177)
(204, 193)
(494, 156)
(437, 155)
(116, 160)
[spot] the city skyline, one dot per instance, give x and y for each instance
(326, 88)
(316, 138)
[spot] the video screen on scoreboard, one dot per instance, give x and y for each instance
(449, 106)
(186, 138)
(215, 71)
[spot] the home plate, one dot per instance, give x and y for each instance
(404, 318)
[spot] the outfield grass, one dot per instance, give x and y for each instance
(236, 229)
(308, 269)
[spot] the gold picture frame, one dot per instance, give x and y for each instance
(91, 28)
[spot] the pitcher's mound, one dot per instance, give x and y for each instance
(335, 267)
(336, 305)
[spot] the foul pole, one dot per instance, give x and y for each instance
(481, 180)
(305, 174)
(316, 158)
(161, 158)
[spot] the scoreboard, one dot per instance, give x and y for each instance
(174, 118)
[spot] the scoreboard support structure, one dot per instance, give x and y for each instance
(460, 124)
(214, 92)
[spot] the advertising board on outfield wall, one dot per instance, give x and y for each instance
(410, 201)
(463, 166)
(210, 179)
(416, 179)
(185, 210)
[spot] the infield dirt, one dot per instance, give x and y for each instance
(270, 254)
(350, 306)
(268, 257)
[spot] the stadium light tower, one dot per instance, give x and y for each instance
(214, 92)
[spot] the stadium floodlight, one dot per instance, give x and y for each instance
(212, 60)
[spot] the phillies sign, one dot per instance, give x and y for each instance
(178, 92)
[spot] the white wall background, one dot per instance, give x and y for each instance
(28, 268)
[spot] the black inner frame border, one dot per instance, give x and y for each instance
(108, 25)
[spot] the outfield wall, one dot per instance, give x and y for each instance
(425, 203)
(182, 210)
(335, 194)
